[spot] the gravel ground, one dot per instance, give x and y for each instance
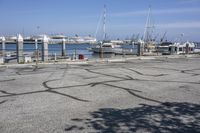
(159, 95)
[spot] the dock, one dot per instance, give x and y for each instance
(44, 41)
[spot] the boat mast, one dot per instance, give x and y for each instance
(148, 29)
(104, 32)
(99, 22)
(104, 23)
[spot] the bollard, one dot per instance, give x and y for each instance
(74, 55)
(19, 44)
(63, 47)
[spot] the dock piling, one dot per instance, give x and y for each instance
(63, 47)
(19, 44)
(45, 48)
(3, 46)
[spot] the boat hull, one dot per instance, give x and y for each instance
(119, 51)
(107, 50)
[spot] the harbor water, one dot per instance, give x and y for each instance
(71, 49)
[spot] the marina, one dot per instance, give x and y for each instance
(45, 48)
(51, 48)
(61, 49)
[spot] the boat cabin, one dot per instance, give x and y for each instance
(168, 48)
(184, 48)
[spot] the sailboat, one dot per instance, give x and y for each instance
(149, 28)
(106, 46)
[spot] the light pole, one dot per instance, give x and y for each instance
(37, 52)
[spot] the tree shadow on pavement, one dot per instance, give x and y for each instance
(166, 117)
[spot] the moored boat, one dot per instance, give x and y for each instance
(107, 47)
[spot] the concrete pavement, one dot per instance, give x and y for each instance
(152, 95)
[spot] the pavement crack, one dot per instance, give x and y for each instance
(123, 88)
(5, 92)
(63, 94)
(52, 90)
(48, 87)
(158, 75)
(6, 80)
(103, 82)
(109, 75)
(130, 91)
(61, 87)
(3, 101)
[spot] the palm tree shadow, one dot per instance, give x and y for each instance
(166, 117)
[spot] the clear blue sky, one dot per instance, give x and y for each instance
(124, 17)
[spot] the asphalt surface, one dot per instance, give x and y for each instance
(159, 95)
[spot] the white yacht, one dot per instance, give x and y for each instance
(176, 48)
(107, 47)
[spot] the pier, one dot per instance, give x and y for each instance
(44, 41)
(41, 50)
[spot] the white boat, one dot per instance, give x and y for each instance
(110, 46)
(107, 48)
(176, 48)
(113, 48)
(104, 46)
(184, 48)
